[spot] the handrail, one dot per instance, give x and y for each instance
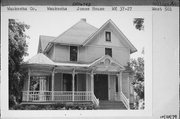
(125, 100)
(95, 100)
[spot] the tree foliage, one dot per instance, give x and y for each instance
(137, 68)
(137, 65)
(138, 22)
(17, 50)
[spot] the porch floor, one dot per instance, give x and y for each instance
(60, 102)
(111, 105)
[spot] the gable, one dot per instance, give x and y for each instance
(116, 32)
(43, 42)
(107, 63)
(100, 38)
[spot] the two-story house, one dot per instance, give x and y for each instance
(83, 64)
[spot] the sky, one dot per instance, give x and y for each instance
(55, 23)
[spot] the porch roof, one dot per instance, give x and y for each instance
(105, 61)
(40, 59)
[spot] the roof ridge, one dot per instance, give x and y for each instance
(65, 31)
(91, 25)
(71, 28)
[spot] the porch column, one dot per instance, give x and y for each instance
(128, 92)
(73, 75)
(52, 87)
(87, 87)
(29, 78)
(120, 82)
(109, 87)
(92, 84)
(129, 86)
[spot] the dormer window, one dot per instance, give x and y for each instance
(73, 53)
(108, 51)
(108, 36)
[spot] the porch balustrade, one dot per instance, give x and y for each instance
(95, 100)
(125, 100)
(57, 96)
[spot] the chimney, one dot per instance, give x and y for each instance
(83, 19)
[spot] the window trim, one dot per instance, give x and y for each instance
(105, 36)
(70, 53)
(108, 54)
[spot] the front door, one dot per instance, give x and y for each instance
(101, 86)
(67, 82)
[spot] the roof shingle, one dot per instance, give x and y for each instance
(40, 58)
(77, 34)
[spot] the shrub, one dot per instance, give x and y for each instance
(17, 107)
(52, 107)
(31, 107)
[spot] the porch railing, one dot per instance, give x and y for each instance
(95, 100)
(125, 100)
(57, 96)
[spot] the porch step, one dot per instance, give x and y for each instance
(111, 105)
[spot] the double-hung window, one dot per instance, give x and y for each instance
(73, 53)
(108, 51)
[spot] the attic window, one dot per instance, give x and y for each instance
(73, 53)
(108, 36)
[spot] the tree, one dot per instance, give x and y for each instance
(138, 22)
(17, 50)
(137, 66)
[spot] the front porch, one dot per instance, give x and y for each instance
(58, 86)
(57, 96)
(75, 83)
